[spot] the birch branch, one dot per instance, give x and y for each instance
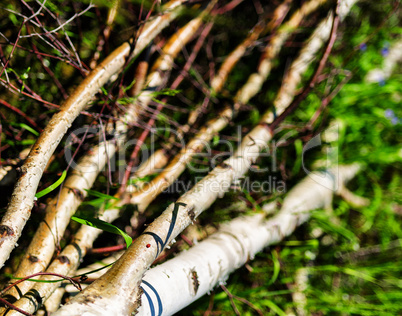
(124, 278)
(63, 207)
(175, 284)
(21, 203)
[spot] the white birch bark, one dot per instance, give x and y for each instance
(22, 199)
(173, 285)
(64, 206)
(123, 280)
(180, 281)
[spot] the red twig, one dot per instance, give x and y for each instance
(13, 108)
(49, 71)
(12, 50)
(12, 306)
(32, 96)
(107, 249)
(140, 141)
(73, 282)
(228, 7)
(187, 240)
(193, 55)
(327, 100)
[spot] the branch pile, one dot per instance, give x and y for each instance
(130, 285)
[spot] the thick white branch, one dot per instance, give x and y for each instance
(173, 285)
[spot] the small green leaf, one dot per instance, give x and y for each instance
(28, 128)
(51, 187)
(277, 267)
(101, 195)
(104, 91)
(105, 226)
(25, 75)
(299, 153)
(215, 140)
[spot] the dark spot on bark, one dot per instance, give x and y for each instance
(78, 193)
(63, 259)
(194, 279)
(89, 299)
(6, 231)
(224, 165)
(191, 213)
(33, 258)
(252, 139)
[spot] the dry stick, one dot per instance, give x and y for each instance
(173, 285)
(124, 278)
(42, 247)
(19, 112)
(21, 203)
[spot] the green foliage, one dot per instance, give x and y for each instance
(53, 186)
